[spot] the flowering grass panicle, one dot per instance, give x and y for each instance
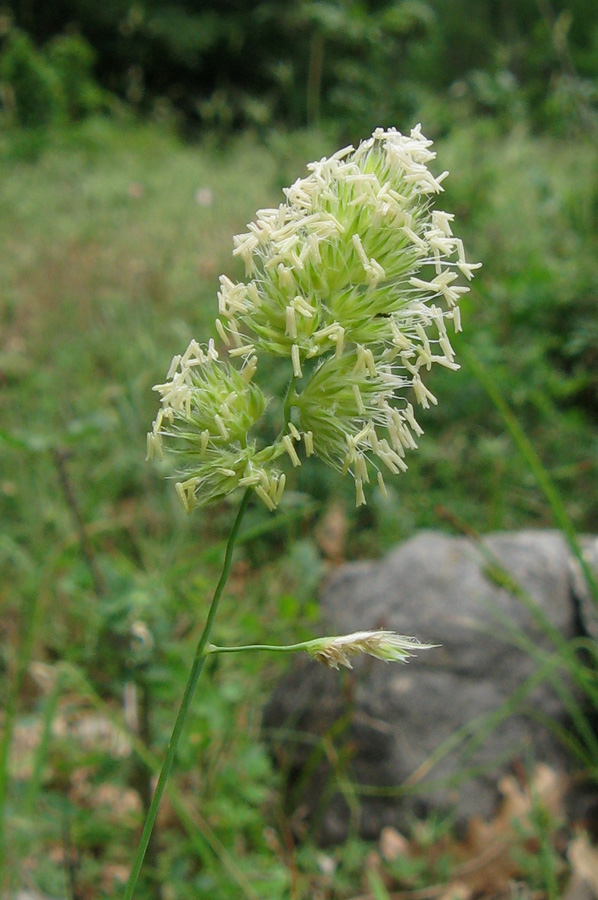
(351, 281)
(385, 645)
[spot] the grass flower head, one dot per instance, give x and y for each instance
(385, 645)
(351, 281)
(208, 408)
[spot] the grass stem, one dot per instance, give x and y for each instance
(194, 675)
(536, 466)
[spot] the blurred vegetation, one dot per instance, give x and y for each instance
(231, 63)
(114, 229)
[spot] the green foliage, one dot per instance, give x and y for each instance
(73, 59)
(541, 864)
(30, 86)
(360, 63)
(41, 89)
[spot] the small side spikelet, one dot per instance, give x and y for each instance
(386, 645)
(208, 408)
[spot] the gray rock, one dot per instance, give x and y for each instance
(498, 611)
(588, 610)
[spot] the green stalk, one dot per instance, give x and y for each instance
(536, 466)
(196, 670)
(27, 631)
(198, 830)
(275, 648)
(41, 754)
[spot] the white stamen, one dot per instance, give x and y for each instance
(359, 494)
(249, 369)
(291, 326)
(243, 350)
(173, 366)
(288, 446)
(222, 333)
(265, 497)
(358, 400)
(296, 361)
(280, 488)
(381, 484)
(221, 427)
(423, 396)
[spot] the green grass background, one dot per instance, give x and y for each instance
(109, 265)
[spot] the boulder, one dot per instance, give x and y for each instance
(586, 604)
(436, 734)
